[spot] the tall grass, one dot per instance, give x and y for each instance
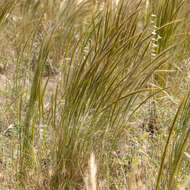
(81, 73)
(166, 13)
(179, 134)
(28, 126)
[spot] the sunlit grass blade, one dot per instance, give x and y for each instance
(26, 159)
(179, 133)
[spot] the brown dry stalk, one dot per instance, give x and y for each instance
(90, 179)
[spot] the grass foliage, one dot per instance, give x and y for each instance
(79, 80)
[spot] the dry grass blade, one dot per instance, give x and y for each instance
(26, 159)
(166, 147)
(179, 133)
(90, 179)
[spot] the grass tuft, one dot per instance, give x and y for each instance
(81, 78)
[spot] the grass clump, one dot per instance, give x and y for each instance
(80, 84)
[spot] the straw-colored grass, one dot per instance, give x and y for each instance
(94, 94)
